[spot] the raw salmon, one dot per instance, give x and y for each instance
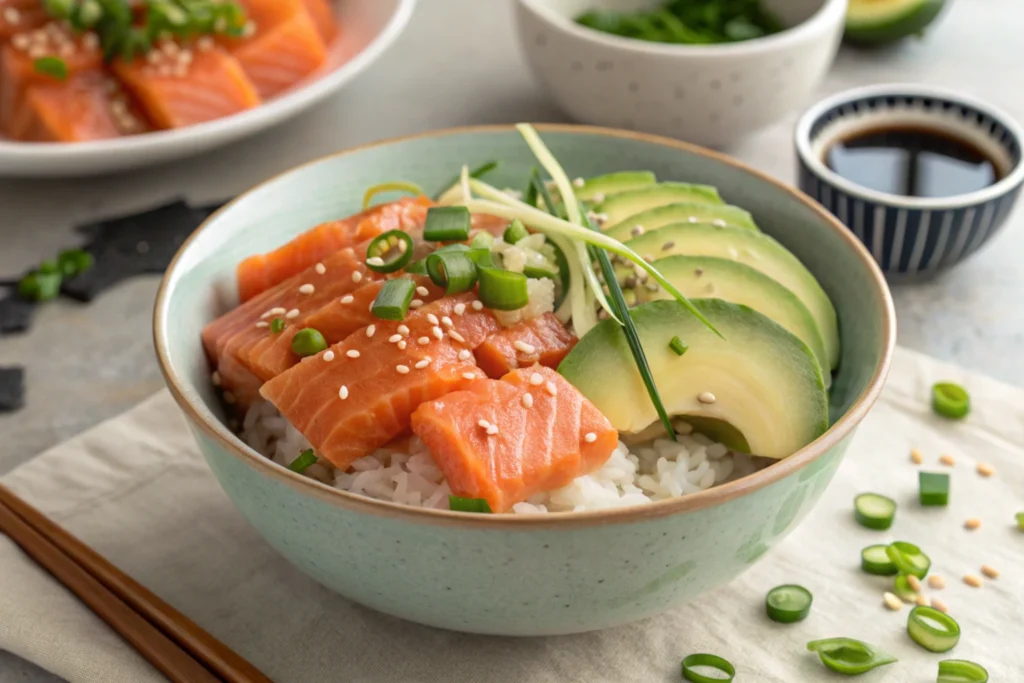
(323, 18)
(279, 56)
(491, 442)
(19, 16)
(542, 340)
(350, 406)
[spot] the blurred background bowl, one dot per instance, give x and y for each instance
(707, 94)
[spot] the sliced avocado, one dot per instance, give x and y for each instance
(886, 21)
(621, 206)
(707, 276)
(755, 249)
(764, 381)
(614, 183)
(689, 212)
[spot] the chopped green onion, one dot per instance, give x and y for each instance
(933, 488)
(393, 299)
(515, 231)
(447, 224)
(933, 630)
(874, 511)
(276, 325)
(1020, 521)
(54, 67)
(72, 262)
(39, 286)
(950, 400)
(482, 240)
(720, 664)
(397, 186)
(502, 290)
(460, 504)
(901, 587)
(909, 559)
(89, 14)
(417, 267)
(788, 604)
(678, 346)
(389, 251)
(875, 560)
(308, 342)
(478, 172)
(49, 267)
(538, 272)
(453, 270)
(849, 656)
(961, 671)
(303, 462)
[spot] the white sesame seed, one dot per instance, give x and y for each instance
(343, 392)
(422, 291)
(205, 43)
(352, 353)
(706, 397)
(12, 15)
(402, 369)
(483, 424)
(277, 310)
(524, 347)
(357, 276)
(21, 41)
(947, 460)
(468, 375)
(937, 582)
(347, 299)
(550, 388)
(401, 345)
(432, 319)
(328, 355)
(527, 400)
(456, 336)
(447, 322)
(985, 470)
(578, 182)
(460, 309)
(394, 339)
(370, 307)
(478, 306)
(320, 269)
(371, 330)
(464, 355)
(423, 341)
(916, 457)
(590, 437)
(914, 583)
(307, 289)
(892, 602)
(403, 330)
(536, 379)
(437, 332)
(215, 378)
(973, 581)
(229, 398)
(415, 303)
(422, 364)
(940, 605)
(266, 314)
(263, 323)
(153, 57)
(37, 52)
(294, 313)
(492, 430)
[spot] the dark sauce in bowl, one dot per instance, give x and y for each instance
(913, 162)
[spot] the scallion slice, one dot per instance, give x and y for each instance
(515, 231)
(478, 172)
(909, 559)
(874, 511)
(950, 400)
(482, 240)
(453, 270)
(308, 342)
(538, 272)
(849, 656)
(447, 224)
(393, 248)
(502, 290)
(901, 587)
(460, 504)
(1020, 521)
(933, 488)
(39, 286)
(397, 186)
(933, 630)
(417, 267)
(875, 560)
(72, 262)
(303, 462)
(276, 325)
(678, 346)
(722, 665)
(788, 604)
(961, 671)
(393, 299)
(54, 67)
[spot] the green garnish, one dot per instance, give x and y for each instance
(909, 559)
(950, 400)
(875, 560)
(447, 224)
(460, 504)
(788, 604)
(722, 665)
(389, 251)
(902, 588)
(302, 463)
(502, 290)
(72, 262)
(678, 346)
(482, 240)
(1020, 521)
(308, 342)
(418, 267)
(688, 22)
(961, 671)
(933, 630)
(453, 270)
(276, 325)
(397, 186)
(874, 511)
(39, 286)
(478, 172)
(849, 656)
(393, 299)
(515, 232)
(54, 67)
(933, 488)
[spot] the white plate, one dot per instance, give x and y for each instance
(368, 27)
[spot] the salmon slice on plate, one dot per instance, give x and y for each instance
(323, 17)
(542, 340)
(506, 440)
(283, 50)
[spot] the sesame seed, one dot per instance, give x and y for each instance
(394, 339)
(328, 355)
(483, 424)
(320, 269)
(422, 364)
(937, 582)
(185, 57)
(921, 599)
(267, 314)
(181, 70)
(422, 291)
(215, 378)
(648, 258)
(37, 52)
(916, 457)
(401, 345)
(940, 605)
(153, 57)
(447, 322)
(165, 71)
(578, 182)
(706, 397)
(343, 392)
(527, 400)
(423, 341)
(456, 336)
(357, 276)
(468, 375)
(403, 330)
(12, 15)
(536, 379)
(352, 353)
(973, 523)
(947, 460)
(478, 306)
(402, 369)
(524, 347)
(914, 583)
(371, 330)
(550, 388)
(229, 398)
(432, 319)
(347, 299)
(973, 581)
(460, 309)
(370, 307)
(205, 43)
(437, 332)
(892, 602)
(464, 354)
(277, 310)
(590, 437)
(375, 261)
(637, 230)
(733, 253)
(294, 313)
(307, 289)
(652, 287)
(492, 430)
(692, 219)
(990, 572)
(599, 197)
(668, 245)
(985, 470)
(415, 303)
(21, 41)
(263, 323)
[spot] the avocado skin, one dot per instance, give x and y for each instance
(912, 23)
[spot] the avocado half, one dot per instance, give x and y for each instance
(874, 22)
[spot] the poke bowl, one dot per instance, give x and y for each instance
(468, 456)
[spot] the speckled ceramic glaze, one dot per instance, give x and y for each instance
(508, 574)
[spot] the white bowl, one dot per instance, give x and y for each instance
(707, 94)
(368, 27)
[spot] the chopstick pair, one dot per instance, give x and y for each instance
(169, 640)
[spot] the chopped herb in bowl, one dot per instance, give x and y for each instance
(688, 22)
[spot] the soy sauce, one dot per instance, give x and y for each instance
(913, 162)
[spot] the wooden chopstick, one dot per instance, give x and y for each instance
(168, 639)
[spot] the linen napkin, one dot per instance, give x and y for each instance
(136, 490)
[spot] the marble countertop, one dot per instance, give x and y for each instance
(87, 363)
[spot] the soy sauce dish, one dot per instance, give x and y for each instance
(922, 177)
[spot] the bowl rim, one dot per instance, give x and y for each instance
(831, 12)
(228, 127)
(803, 141)
(203, 419)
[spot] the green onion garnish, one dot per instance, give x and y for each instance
(933, 488)
(909, 559)
(453, 270)
(302, 463)
(902, 588)
(933, 630)
(39, 286)
(722, 665)
(54, 67)
(418, 267)
(875, 560)
(276, 325)
(49, 267)
(537, 272)
(961, 671)
(308, 342)
(849, 656)
(788, 604)
(678, 345)
(874, 511)
(397, 186)
(89, 14)
(447, 224)
(950, 400)
(515, 231)
(502, 290)
(478, 172)
(72, 262)
(389, 251)
(393, 299)
(1020, 521)
(482, 240)
(460, 504)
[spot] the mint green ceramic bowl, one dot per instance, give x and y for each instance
(505, 574)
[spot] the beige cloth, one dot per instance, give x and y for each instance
(137, 491)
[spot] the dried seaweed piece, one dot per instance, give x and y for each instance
(12, 388)
(15, 314)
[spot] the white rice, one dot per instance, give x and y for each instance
(654, 470)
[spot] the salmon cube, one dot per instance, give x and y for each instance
(280, 56)
(323, 18)
(542, 340)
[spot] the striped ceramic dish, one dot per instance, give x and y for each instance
(912, 236)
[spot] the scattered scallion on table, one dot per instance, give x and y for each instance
(39, 286)
(453, 270)
(933, 630)
(875, 560)
(933, 488)
(308, 342)
(950, 400)
(788, 604)
(961, 671)
(396, 186)
(678, 346)
(459, 504)
(902, 588)
(303, 462)
(849, 656)
(393, 299)
(874, 511)
(72, 262)
(389, 251)
(447, 224)
(723, 666)
(1020, 521)
(909, 559)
